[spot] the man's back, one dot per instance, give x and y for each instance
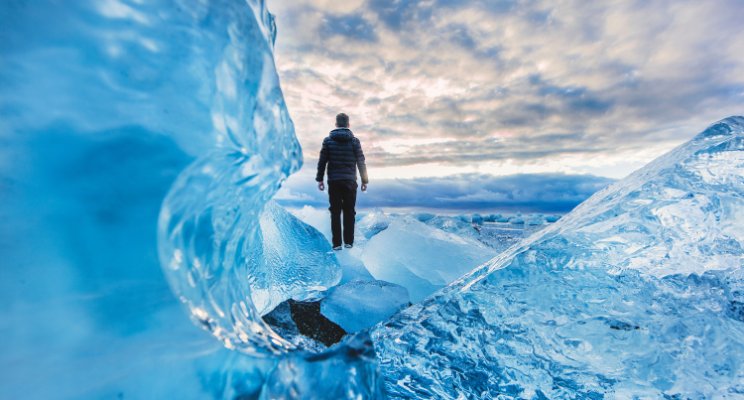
(343, 154)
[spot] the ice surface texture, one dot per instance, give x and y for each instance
(494, 230)
(359, 304)
(227, 267)
(348, 371)
(638, 291)
(230, 263)
(108, 107)
(103, 106)
(374, 223)
(400, 249)
(421, 258)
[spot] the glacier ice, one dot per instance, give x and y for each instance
(343, 372)
(226, 256)
(461, 225)
(367, 223)
(317, 218)
(352, 267)
(636, 293)
(495, 230)
(103, 106)
(360, 304)
(299, 262)
(373, 223)
(230, 262)
(117, 114)
(421, 258)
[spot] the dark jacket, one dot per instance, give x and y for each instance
(343, 154)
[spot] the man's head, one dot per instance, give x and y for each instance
(342, 121)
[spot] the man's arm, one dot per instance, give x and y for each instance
(359, 154)
(322, 165)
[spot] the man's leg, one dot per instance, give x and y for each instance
(349, 203)
(335, 198)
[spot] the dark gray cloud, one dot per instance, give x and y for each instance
(535, 192)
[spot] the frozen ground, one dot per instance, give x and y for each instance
(423, 252)
(417, 252)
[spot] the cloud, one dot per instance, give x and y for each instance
(535, 192)
(574, 87)
(352, 26)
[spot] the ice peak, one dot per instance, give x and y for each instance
(648, 269)
(733, 125)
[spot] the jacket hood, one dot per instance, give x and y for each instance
(341, 134)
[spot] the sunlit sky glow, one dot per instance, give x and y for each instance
(437, 88)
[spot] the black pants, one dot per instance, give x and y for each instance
(342, 196)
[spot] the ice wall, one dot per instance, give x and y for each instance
(105, 108)
(211, 246)
(637, 293)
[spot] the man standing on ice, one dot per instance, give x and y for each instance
(342, 151)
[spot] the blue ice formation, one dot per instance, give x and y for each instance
(106, 107)
(495, 230)
(352, 268)
(421, 258)
(637, 293)
(360, 304)
(127, 122)
(348, 371)
(374, 223)
(227, 267)
(231, 261)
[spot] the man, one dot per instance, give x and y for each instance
(342, 151)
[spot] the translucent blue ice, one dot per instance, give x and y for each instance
(495, 230)
(421, 258)
(105, 108)
(348, 371)
(359, 304)
(128, 124)
(637, 292)
(229, 260)
(374, 223)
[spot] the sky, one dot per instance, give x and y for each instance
(473, 93)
